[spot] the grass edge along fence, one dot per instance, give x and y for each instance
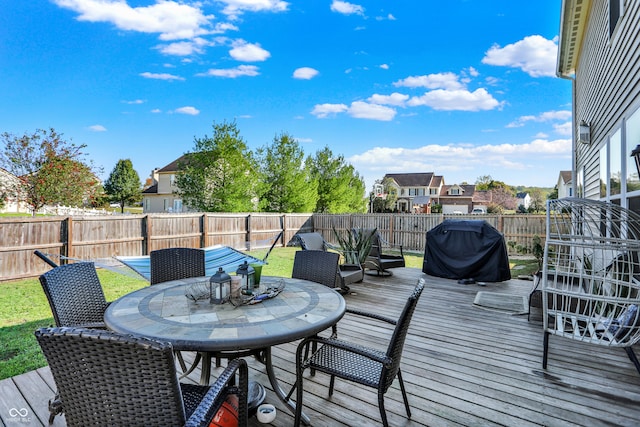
(100, 237)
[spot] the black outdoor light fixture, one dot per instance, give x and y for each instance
(584, 132)
(636, 155)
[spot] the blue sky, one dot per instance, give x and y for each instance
(462, 88)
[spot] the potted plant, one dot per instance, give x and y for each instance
(356, 245)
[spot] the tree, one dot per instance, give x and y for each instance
(50, 170)
(386, 203)
(219, 175)
(286, 185)
(537, 200)
(340, 187)
(123, 184)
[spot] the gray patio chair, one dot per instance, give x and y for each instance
(75, 295)
(106, 378)
(379, 261)
(176, 263)
(363, 365)
(348, 273)
(591, 275)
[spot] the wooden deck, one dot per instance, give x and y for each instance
(463, 365)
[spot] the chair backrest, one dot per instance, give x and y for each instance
(75, 294)
(105, 378)
(396, 345)
(317, 266)
(312, 241)
(176, 263)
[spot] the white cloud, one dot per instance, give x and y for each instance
(384, 66)
(325, 110)
(248, 52)
(134, 102)
(232, 73)
(346, 8)
(397, 99)
(161, 76)
(305, 73)
(192, 111)
(564, 129)
(458, 100)
(156, 111)
(358, 110)
(184, 48)
(237, 7)
(304, 140)
(547, 116)
(97, 128)
(365, 110)
(172, 20)
(432, 81)
(534, 55)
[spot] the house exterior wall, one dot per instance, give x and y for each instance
(164, 200)
(607, 95)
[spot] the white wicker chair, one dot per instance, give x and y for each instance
(591, 274)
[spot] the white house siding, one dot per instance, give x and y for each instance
(607, 89)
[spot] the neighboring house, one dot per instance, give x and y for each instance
(416, 191)
(565, 185)
(457, 198)
(160, 195)
(523, 199)
(598, 51)
(10, 203)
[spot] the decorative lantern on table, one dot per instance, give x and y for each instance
(248, 277)
(218, 283)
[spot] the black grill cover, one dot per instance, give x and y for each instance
(466, 249)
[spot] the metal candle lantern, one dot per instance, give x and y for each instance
(219, 281)
(247, 275)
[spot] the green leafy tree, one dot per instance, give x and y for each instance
(286, 185)
(340, 187)
(537, 200)
(219, 175)
(388, 202)
(123, 185)
(50, 170)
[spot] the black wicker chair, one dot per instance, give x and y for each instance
(317, 266)
(363, 365)
(176, 263)
(75, 295)
(106, 378)
(379, 261)
(347, 273)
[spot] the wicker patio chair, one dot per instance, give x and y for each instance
(363, 365)
(75, 295)
(317, 266)
(591, 275)
(176, 263)
(379, 261)
(106, 378)
(348, 273)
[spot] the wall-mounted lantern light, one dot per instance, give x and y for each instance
(584, 132)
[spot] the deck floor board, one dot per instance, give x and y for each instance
(463, 365)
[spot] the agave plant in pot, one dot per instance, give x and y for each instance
(355, 245)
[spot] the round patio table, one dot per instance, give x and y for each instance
(162, 311)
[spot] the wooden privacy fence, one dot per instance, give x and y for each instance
(100, 237)
(410, 230)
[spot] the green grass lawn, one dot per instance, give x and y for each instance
(24, 307)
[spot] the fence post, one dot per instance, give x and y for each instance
(249, 232)
(204, 227)
(67, 240)
(146, 235)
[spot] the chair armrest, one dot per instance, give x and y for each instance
(218, 392)
(370, 353)
(371, 316)
(384, 243)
